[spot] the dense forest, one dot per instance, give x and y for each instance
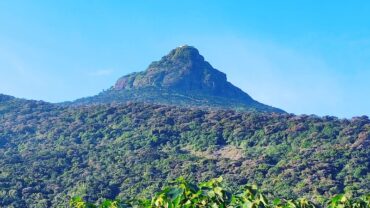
(51, 153)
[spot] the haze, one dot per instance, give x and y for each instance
(306, 57)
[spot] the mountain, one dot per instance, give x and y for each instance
(49, 153)
(105, 147)
(4, 98)
(182, 78)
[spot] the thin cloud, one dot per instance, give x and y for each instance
(102, 72)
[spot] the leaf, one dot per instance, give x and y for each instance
(174, 193)
(276, 201)
(218, 191)
(263, 199)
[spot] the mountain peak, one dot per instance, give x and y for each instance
(185, 53)
(183, 68)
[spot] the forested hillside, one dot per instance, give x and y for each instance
(50, 153)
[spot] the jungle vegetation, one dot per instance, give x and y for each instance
(51, 153)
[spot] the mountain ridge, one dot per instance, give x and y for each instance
(4, 97)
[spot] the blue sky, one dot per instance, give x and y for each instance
(306, 57)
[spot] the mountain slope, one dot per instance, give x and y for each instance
(49, 153)
(183, 78)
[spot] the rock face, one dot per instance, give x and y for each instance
(184, 78)
(182, 69)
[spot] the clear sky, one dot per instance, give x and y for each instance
(310, 57)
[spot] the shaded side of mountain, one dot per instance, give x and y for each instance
(167, 96)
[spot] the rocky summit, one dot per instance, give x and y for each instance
(183, 78)
(182, 69)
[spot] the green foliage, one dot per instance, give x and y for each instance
(211, 194)
(342, 201)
